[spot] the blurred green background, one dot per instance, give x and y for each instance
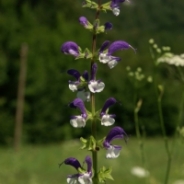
(44, 26)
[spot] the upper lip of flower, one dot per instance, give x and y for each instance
(109, 102)
(77, 75)
(115, 133)
(76, 164)
(116, 3)
(79, 104)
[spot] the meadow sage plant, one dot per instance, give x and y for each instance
(86, 85)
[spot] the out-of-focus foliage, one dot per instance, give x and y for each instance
(44, 26)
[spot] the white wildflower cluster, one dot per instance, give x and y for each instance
(138, 75)
(171, 59)
(164, 55)
(139, 172)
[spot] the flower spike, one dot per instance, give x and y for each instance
(113, 151)
(107, 119)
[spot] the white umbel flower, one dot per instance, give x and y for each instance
(139, 172)
(171, 59)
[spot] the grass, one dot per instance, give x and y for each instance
(39, 164)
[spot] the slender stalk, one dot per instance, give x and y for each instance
(181, 108)
(137, 128)
(169, 158)
(94, 152)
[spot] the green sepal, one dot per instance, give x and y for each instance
(106, 6)
(88, 54)
(96, 24)
(100, 29)
(89, 26)
(90, 116)
(104, 174)
(90, 4)
(89, 144)
(81, 170)
(100, 143)
(97, 115)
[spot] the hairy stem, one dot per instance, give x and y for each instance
(94, 152)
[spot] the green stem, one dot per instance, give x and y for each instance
(93, 128)
(137, 128)
(178, 122)
(169, 158)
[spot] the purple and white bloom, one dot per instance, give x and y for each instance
(107, 49)
(115, 6)
(70, 48)
(84, 22)
(79, 84)
(107, 119)
(80, 120)
(83, 176)
(113, 151)
(95, 86)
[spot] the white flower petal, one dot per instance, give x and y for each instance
(78, 122)
(116, 11)
(112, 63)
(72, 180)
(85, 179)
(112, 152)
(103, 58)
(73, 87)
(106, 120)
(95, 86)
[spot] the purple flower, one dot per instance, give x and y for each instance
(80, 84)
(80, 120)
(84, 21)
(107, 119)
(115, 6)
(70, 48)
(84, 177)
(113, 151)
(108, 26)
(95, 86)
(105, 54)
(76, 85)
